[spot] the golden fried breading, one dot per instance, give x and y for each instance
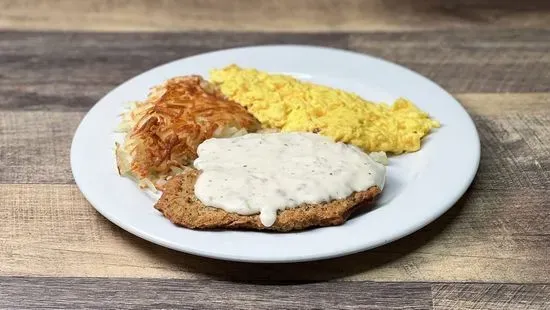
(176, 117)
(180, 205)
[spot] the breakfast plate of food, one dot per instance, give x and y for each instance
(278, 153)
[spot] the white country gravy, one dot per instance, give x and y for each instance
(264, 173)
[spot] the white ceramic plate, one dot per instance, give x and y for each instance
(419, 187)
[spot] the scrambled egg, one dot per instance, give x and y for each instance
(285, 103)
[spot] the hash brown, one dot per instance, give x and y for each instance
(176, 117)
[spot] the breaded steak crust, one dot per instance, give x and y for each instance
(179, 204)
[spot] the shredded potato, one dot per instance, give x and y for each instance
(163, 132)
(379, 157)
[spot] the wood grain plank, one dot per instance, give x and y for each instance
(35, 146)
(490, 296)
(488, 104)
(101, 293)
(514, 136)
(493, 235)
(283, 15)
(61, 71)
(467, 61)
(78, 293)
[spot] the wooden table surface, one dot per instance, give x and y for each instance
(490, 251)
